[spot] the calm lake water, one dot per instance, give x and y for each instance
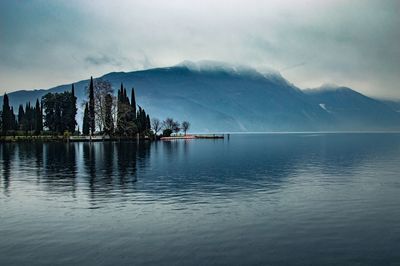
(253, 199)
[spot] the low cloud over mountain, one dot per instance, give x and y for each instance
(223, 97)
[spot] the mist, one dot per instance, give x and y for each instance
(349, 43)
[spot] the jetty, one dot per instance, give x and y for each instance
(197, 136)
(103, 138)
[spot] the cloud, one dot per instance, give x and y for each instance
(352, 43)
(102, 60)
(292, 67)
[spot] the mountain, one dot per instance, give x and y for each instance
(393, 104)
(221, 97)
(354, 111)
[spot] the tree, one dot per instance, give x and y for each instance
(168, 123)
(21, 117)
(133, 102)
(85, 124)
(156, 125)
(127, 125)
(14, 124)
(185, 126)
(108, 123)
(119, 110)
(176, 127)
(171, 125)
(58, 108)
(6, 116)
(102, 88)
(49, 105)
(143, 121)
(71, 111)
(38, 118)
(167, 132)
(92, 125)
(148, 123)
(29, 117)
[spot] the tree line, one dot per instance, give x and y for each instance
(110, 115)
(55, 112)
(27, 120)
(169, 126)
(104, 113)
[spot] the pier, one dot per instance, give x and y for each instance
(197, 136)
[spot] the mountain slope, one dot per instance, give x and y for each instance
(354, 111)
(221, 97)
(393, 104)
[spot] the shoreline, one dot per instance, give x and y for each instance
(60, 138)
(8, 139)
(52, 138)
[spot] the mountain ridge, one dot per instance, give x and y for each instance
(222, 97)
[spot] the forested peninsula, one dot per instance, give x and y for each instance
(106, 116)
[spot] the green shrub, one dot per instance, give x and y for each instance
(167, 132)
(67, 134)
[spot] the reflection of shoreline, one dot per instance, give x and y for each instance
(58, 167)
(7, 154)
(110, 169)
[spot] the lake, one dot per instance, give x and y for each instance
(255, 199)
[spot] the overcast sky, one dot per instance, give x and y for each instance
(356, 43)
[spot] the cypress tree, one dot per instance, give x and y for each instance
(6, 115)
(72, 110)
(26, 122)
(21, 117)
(148, 123)
(38, 118)
(92, 125)
(141, 123)
(126, 100)
(13, 121)
(41, 114)
(143, 120)
(85, 124)
(133, 103)
(28, 117)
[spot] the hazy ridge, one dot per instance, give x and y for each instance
(222, 97)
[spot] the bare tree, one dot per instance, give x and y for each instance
(156, 125)
(168, 123)
(176, 127)
(171, 125)
(185, 126)
(102, 88)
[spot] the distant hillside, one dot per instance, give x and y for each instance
(222, 97)
(352, 110)
(393, 104)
